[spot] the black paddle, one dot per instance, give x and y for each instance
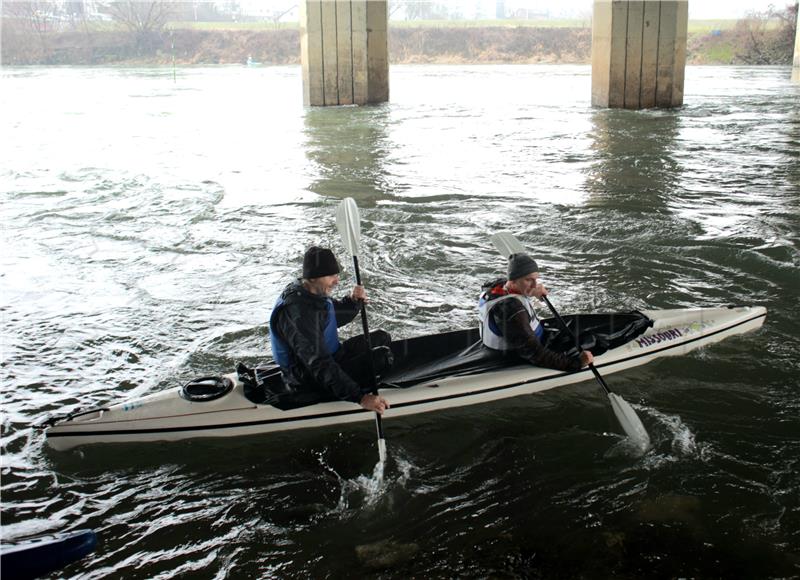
(507, 244)
(349, 226)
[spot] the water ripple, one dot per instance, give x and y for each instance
(150, 250)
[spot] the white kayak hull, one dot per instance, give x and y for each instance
(167, 416)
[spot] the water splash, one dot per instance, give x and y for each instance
(673, 440)
(372, 487)
(368, 491)
(682, 439)
(667, 430)
(626, 447)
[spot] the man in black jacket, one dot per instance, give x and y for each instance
(305, 342)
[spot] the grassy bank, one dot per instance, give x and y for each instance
(709, 42)
(695, 26)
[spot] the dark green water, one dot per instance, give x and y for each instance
(148, 226)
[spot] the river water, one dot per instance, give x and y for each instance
(150, 219)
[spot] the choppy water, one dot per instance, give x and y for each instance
(148, 225)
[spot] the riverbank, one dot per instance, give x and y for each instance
(407, 45)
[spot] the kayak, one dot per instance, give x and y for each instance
(430, 373)
(44, 554)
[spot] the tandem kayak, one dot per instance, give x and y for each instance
(44, 554)
(430, 373)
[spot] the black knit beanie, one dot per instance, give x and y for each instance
(520, 265)
(319, 262)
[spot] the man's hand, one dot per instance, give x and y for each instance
(586, 358)
(540, 290)
(374, 403)
(359, 294)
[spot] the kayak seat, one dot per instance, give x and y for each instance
(262, 384)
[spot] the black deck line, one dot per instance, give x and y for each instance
(396, 406)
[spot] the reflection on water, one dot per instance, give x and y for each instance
(148, 226)
(634, 162)
(347, 147)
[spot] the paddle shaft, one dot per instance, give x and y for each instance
(365, 324)
(575, 338)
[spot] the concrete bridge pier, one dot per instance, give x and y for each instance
(639, 53)
(796, 67)
(344, 51)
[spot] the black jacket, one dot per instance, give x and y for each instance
(300, 322)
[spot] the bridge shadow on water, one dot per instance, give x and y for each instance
(634, 166)
(349, 145)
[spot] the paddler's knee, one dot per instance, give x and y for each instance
(380, 338)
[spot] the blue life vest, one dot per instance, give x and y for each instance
(280, 350)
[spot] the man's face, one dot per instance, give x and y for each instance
(324, 285)
(527, 284)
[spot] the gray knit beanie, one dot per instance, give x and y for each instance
(520, 265)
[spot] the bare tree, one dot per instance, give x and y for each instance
(767, 37)
(36, 16)
(145, 20)
(30, 19)
(788, 27)
(425, 10)
(276, 15)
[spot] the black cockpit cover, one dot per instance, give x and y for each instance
(461, 352)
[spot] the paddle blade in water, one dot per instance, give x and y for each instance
(349, 225)
(630, 422)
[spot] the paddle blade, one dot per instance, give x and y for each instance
(507, 244)
(630, 422)
(349, 225)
